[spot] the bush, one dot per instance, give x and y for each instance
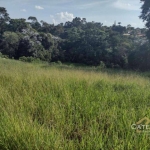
(59, 62)
(101, 65)
(29, 59)
(3, 56)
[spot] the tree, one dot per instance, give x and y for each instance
(119, 23)
(9, 44)
(35, 24)
(17, 25)
(119, 28)
(4, 17)
(139, 58)
(45, 27)
(33, 19)
(145, 14)
(77, 22)
(47, 40)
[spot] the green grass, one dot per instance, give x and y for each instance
(63, 108)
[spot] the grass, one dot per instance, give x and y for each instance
(63, 108)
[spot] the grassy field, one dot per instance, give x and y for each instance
(64, 108)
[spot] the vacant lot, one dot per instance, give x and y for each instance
(57, 108)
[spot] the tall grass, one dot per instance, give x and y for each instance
(52, 108)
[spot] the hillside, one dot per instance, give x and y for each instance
(47, 107)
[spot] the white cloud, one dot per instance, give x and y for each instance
(24, 10)
(122, 4)
(62, 17)
(39, 7)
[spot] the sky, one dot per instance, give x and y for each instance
(57, 11)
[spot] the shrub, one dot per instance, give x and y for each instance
(3, 56)
(29, 59)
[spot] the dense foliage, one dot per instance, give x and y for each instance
(145, 14)
(79, 41)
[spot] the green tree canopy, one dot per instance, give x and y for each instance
(4, 17)
(145, 14)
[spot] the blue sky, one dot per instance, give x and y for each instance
(56, 11)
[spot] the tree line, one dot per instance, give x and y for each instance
(76, 41)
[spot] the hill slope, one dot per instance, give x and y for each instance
(52, 108)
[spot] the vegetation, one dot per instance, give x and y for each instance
(145, 15)
(67, 97)
(78, 41)
(50, 107)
